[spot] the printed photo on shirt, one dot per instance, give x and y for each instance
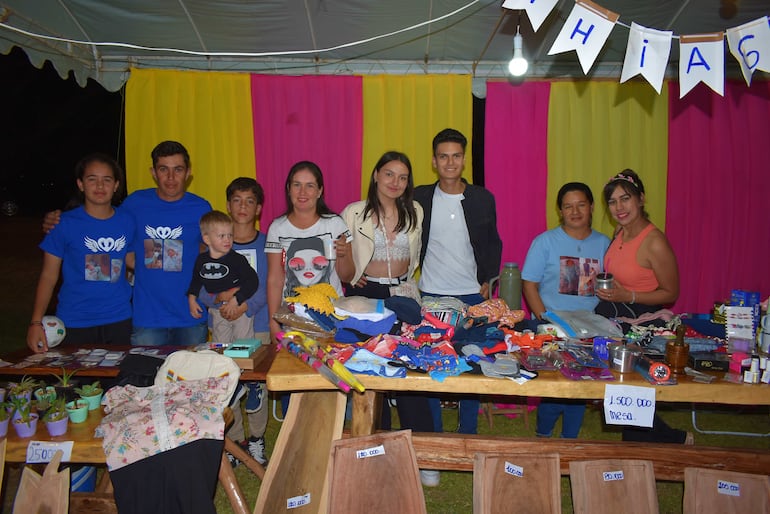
(172, 254)
(116, 269)
(153, 252)
(577, 275)
(97, 267)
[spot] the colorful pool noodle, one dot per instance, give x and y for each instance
(315, 363)
(311, 346)
(339, 369)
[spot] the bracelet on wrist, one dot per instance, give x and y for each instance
(36, 323)
(633, 297)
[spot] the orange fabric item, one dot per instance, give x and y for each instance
(620, 260)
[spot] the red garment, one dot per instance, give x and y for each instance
(620, 260)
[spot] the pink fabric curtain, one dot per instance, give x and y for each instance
(718, 190)
(515, 162)
(314, 118)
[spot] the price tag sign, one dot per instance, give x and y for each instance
(629, 405)
(43, 451)
(298, 501)
(370, 452)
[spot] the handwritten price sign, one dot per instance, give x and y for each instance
(629, 405)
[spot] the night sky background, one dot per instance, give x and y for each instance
(48, 125)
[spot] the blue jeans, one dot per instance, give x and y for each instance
(175, 336)
(549, 411)
(468, 407)
(468, 415)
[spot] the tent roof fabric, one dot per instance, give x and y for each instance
(329, 36)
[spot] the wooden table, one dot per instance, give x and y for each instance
(290, 374)
(87, 449)
(263, 359)
(456, 451)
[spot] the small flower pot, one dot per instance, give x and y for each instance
(4, 426)
(93, 401)
(47, 393)
(27, 395)
(68, 392)
(77, 410)
(57, 427)
(26, 429)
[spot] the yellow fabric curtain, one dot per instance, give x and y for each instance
(597, 129)
(404, 113)
(209, 113)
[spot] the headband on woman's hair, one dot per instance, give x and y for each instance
(627, 178)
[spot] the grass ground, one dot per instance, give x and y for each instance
(20, 264)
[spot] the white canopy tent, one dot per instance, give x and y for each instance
(103, 39)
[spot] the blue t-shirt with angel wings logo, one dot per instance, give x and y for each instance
(94, 288)
(167, 242)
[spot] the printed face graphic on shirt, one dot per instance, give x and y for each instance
(306, 264)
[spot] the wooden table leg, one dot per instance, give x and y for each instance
(367, 408)
(246, 458)
(231, 487)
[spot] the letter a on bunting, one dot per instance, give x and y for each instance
(702, 59)
(586, 30)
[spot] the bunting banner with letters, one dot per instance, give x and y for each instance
(702, 58)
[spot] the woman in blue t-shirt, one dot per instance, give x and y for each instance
(89, 248)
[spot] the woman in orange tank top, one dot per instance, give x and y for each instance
(640, 258)
(646, 277)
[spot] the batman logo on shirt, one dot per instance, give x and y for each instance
(214, 271)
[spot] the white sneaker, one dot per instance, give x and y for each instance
(256, 448)
(429, 477)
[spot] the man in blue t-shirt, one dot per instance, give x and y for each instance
(166, 244)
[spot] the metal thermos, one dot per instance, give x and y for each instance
(510, 285)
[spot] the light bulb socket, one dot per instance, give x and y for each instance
(518, 65)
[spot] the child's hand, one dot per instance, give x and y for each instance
(229, 310)
(226, 296)
(195, 309)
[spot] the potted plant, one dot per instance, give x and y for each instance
(5, 417)
(66, 384)
(56, 418)
(91, 393)
(24, 420)
(77, 410)
(23, 387)
(45, 393)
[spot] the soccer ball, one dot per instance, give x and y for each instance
(54, 330)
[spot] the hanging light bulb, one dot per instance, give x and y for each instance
(518, 65)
